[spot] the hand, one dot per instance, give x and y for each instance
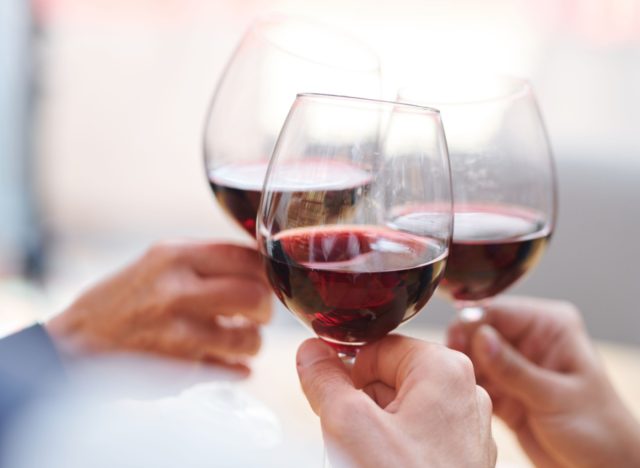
(173, 301)
(420, 405)
(535, 359)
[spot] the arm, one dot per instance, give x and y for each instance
(29, 365)
(172, 302)
(406, 403)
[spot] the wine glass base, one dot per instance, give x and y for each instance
(346, 352)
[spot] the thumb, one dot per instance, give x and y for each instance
(322, 374)
(514, 374)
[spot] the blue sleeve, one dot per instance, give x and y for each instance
(29, 365)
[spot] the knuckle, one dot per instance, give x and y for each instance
(484, 400)
(174, 296)
(461, 366)
(323, 378)
(163, 251)
(571, 314)
(416, 352)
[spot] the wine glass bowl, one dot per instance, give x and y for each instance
(277, 58)
(355, 218)
(504, 184)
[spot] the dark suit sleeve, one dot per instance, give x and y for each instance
(29, 368)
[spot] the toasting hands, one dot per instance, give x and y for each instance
(173, 301)
(405, 403)
(535, 359)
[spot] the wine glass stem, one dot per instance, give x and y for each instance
(470, 312)
(470, 317)
(348, 359)
(325, 458)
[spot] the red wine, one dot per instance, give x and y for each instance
(491, 249)
(238, 188)
(353, 284)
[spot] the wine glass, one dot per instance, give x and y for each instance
(504, 184)
(356, 215)
(277, 58)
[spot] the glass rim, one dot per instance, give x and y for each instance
(342, 97)
(519, 87)
(255, 28)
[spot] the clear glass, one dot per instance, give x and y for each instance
(277, 58)
(504, 183)
(356, 215)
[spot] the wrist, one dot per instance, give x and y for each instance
(65, 332)
(628, 433)
(622, 431)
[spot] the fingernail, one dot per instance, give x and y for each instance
(491, 341)
(312, 351)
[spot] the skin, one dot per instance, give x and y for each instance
(196, 301)
(537, 363)
(405, 403)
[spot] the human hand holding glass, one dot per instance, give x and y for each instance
(536, 361)
(405, 403)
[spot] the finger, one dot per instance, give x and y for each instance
(457, 337)
(485, 411)
(323, 376)
(183, 339)
(380, 393)
(232, 342)
(491, 387)
(237, 369)
(510, 371)
(226, 295)
(507, 408)
(511, 316)
(392, 359)
(212, 259)
(511, 411)
(514, 317)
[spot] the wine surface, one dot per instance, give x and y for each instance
(335, 187)
(491, 249)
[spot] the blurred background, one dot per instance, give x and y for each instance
(102, 104)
